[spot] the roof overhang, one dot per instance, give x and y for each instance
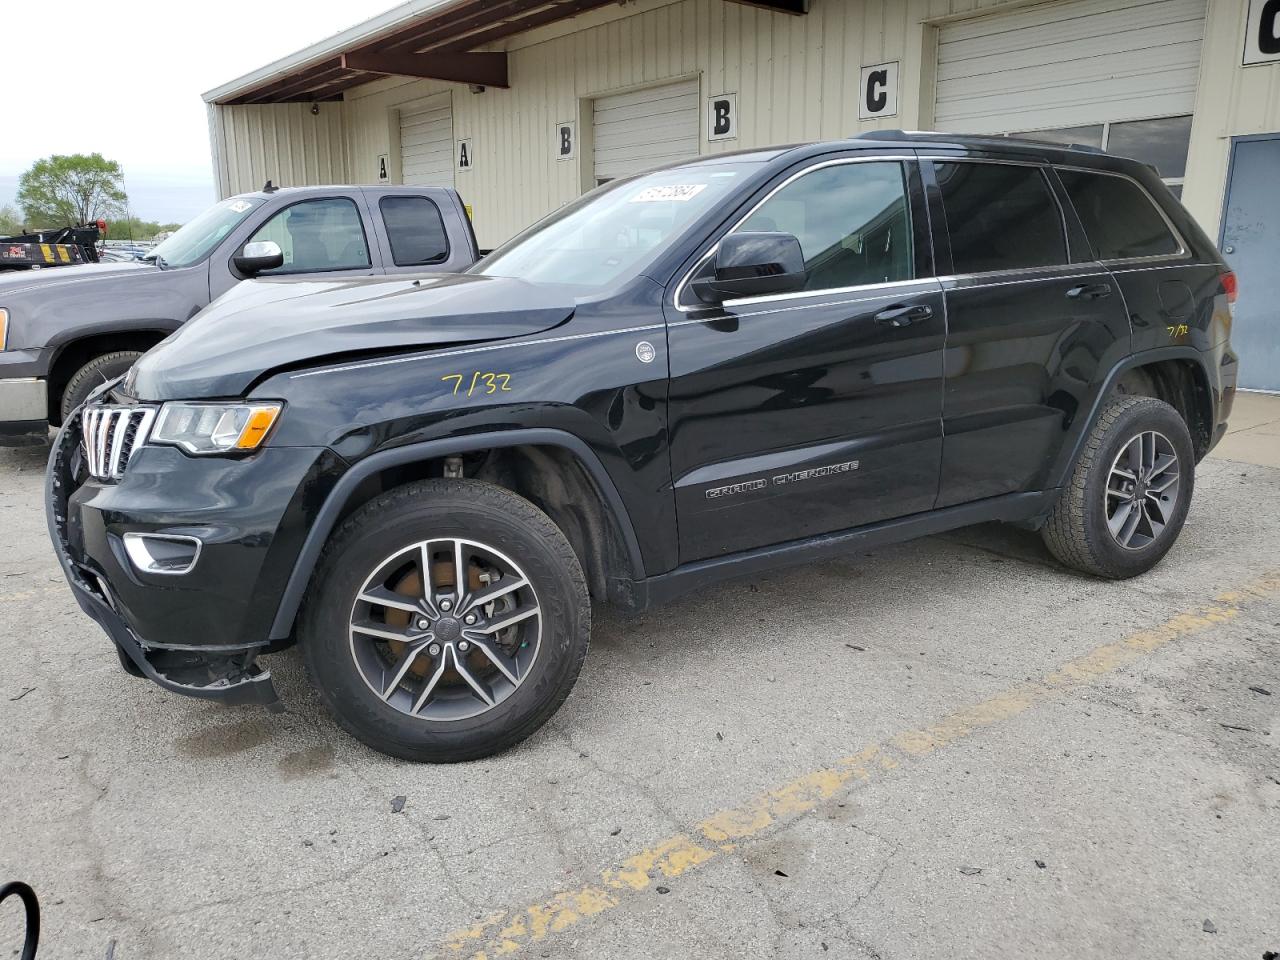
(421, 38)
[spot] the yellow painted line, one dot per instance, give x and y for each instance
(506, 932)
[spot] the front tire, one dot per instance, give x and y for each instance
(448, 620)
(1129, 493)
(92, 375)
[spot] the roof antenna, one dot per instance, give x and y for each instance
(269, 188)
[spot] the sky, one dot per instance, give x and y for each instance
(129, 77)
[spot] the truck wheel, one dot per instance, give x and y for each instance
(94, 374)
(1128, 496)
(447, 621)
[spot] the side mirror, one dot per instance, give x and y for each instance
(258, 256)
(752, 264)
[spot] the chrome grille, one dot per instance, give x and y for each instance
(109, 435)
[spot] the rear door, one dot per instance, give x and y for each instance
(1031, 320)
(420, 232)
(798, 414)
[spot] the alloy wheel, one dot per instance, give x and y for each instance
(446, 629)
(1142, 490)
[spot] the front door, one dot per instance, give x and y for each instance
(1251, 244)
(802, 413)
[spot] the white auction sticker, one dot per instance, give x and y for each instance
(680, 193)
(240, 206)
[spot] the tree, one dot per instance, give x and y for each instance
(63, 191)
(10, 221)
(131, 228)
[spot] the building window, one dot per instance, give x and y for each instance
(1163, 143)
(1001, 217)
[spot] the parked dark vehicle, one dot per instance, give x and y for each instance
(714, 369)
(64, 332)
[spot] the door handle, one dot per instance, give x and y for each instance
(1090, 291)
(903, 316)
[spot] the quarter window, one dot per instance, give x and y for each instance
(317, 235)
(1118, 216)
(415, 229)
(853, 222)
(1001, 217)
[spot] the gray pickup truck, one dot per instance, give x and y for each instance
(64, 332)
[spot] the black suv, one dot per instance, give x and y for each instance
(717, 368)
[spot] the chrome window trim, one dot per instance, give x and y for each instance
(1042, 166)
(711, 252)
(1021, 276)
(929, 283)
(1182, 253)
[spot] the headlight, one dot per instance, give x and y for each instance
(4, 328)
(215, 427)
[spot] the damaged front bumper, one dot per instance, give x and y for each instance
(226, 674)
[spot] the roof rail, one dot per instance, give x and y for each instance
(967, 138)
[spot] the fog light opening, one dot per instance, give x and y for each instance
(162, 553)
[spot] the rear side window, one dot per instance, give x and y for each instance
(415, 229)
(1118, 216)
(1001, 217)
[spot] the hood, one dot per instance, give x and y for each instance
(265, 325)
(18, 281)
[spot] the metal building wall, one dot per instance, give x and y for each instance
(797, 78)
(283, 142)
(1233, 101)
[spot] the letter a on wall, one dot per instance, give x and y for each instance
(466, 157)
(879, 94)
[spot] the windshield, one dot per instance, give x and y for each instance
(192, 243)
(615, 232)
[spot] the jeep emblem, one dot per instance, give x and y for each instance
(645, 352)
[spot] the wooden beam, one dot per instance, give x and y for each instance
(794, 7)
(486, 69)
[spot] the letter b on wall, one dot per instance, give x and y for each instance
(722, 117)
(879, 94)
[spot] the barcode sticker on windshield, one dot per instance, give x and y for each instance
(680, 193)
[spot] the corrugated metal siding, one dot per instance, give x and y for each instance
(282, 142)
(645, 128)
(796, 79)
(1064, 64)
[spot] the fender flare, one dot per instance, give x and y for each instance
(1066, 463)
(327, 518)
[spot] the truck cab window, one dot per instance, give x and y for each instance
(415, 229)
(317, 236)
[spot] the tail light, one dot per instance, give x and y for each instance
(1229, 286)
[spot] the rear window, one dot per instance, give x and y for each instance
(1001, 216)
(1120, 219)
(415, 229)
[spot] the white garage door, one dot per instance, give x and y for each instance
(426, 143)
(1067, 64)
(645, 128)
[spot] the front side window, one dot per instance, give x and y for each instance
(1118, 216)
(1001, 216)
(853, 221)
(316, 236)
(415, 229)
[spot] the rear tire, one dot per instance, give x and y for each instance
(1128, 495)
(400, 547)
(94, 374)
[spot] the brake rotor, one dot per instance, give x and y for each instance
(410, 585)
